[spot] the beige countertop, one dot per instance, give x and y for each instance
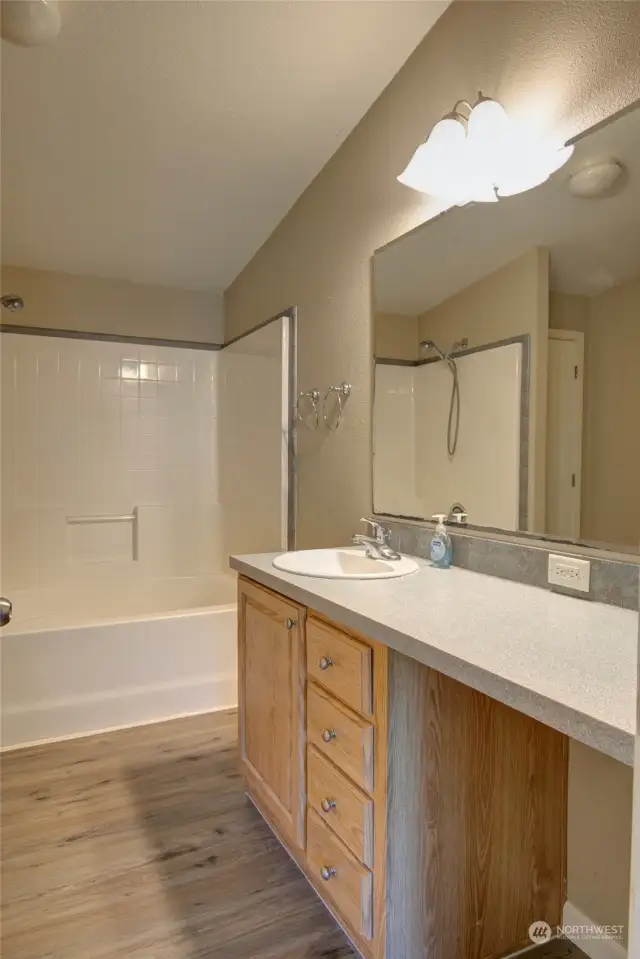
(569, 663)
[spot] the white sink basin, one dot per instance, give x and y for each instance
(343, 564)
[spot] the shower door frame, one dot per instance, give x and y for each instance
(289, 318)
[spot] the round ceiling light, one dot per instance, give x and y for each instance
(30, 23)
(595, 178)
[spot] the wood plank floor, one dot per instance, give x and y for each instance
(141, 843)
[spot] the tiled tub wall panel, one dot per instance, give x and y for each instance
(99, 428)
(613, 582)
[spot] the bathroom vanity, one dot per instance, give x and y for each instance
(421, 789)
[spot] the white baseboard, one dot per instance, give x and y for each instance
(52, 721)
(594, 948)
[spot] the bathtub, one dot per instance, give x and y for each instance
(71, 667)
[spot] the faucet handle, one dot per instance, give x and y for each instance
(381, 532)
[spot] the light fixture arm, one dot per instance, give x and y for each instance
(455, 113)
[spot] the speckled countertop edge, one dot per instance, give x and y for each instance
(567, 662)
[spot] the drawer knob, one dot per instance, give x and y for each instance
(328, 805)
(327, 872)
(325, 662)
(328, 735)
(291, 623)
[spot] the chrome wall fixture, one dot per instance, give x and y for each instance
(11, 302)
(341, 392)
(313, 396)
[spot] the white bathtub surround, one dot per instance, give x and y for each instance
(413, 475)
(569, 663)
(129, 473)
(97, 429)
(93, 428)
(64, 675)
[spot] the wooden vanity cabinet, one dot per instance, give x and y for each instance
(430, 819)
(271, 698)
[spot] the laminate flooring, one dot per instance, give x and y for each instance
(142, 844)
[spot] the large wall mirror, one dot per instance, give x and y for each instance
(507, 355)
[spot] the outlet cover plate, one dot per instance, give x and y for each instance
(570, 572)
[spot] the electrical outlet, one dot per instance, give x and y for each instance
(570, 572)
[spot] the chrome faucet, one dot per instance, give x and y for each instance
(376, 546)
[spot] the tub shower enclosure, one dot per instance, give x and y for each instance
(130, 472)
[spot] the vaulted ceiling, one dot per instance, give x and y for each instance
(162, 141)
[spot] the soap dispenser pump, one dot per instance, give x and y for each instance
(440, 547)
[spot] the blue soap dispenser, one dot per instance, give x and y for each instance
(440, 547)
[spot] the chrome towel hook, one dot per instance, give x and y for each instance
(342, 392)
(314, 396)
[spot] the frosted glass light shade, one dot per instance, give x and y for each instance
(441, 167)
(491, 157)
(534, 171)
(430, 161)
(488, 122)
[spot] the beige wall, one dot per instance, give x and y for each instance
(611, 506)
(531, 55)
(599, 835)
(568, 311)
(318, 258)
(611, 449)
(396, 336)
(93, 304)
(509, 302)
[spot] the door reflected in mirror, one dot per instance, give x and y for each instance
(507, 356)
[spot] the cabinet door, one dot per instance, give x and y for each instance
(271, 700)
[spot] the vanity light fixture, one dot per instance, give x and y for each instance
(480, 156)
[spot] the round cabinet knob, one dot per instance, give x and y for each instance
(291, 623)
(324, 662)
(328, 735)
(328, 804)
(327, 872)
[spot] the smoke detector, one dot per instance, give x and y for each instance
(30, 23)
(596, 178)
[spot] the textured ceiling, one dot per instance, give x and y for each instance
(162, 142)
(594, 243)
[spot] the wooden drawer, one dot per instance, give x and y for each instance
(340, 664)
(339, 876)
(347, 810)
(341, 736)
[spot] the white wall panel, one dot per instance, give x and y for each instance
(102, 428)
(484, 473)
(394, 447)
(413, 472)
